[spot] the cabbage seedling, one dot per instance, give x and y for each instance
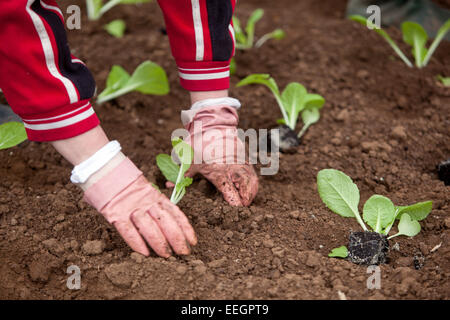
(245, 38)
(293, 101)
(148, 78)
(116, 28)
(414, 35)
(341, 196)
(11, 134)
(174, 172)
(96, 8)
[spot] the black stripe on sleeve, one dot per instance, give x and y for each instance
(219, 18)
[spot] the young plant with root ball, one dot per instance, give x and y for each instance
(294, 101)
(173, 172)
(341, 196)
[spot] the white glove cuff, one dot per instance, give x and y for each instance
(188, 115)
(82, 172)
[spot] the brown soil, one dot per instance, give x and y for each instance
(385, 125)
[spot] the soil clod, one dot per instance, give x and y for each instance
(368, 248)
(287, 141)
(444, 172)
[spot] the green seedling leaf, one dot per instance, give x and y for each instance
(339, 194)
(251, 23)
(168, 168)
(268, 81)
(362, 20)
(11, 134)
(418, 211)
(311, 114)
(148, 78)
(175, 173)
(444, 81)
(416, 36)
(116, 28)
(314, 101)
(439, 36)
(184, 153)
(239, 35)
(309, 117)
(245, 39)
(341, 252)
(378, 212)
(260, 78)
(116, 80)
(185, 182)
(277, 34)
(407, 227)
(292, 99)
(93, 8)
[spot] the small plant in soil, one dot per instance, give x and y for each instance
(116, 28)
(97, 8)
(148, 78)
(415, 36)
(245, 38)
(11, 134)
(341, 196)
(173, 172)
(294, 101)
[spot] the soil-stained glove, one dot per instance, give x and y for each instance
(219, 155)
(138, 211)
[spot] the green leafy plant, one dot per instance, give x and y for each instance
(415, 36)
(97, 8)
(116, 28)
(341, 196)
(148, 78)
(444, 80)
(11, 134)
(340, 252)
(293, 101)
(174, 172)
(245, 38)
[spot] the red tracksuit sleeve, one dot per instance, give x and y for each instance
(202, 41)
(44, 84)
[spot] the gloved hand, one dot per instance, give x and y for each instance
(216, 128)
(138, 211)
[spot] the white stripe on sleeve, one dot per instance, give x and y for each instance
(49, 54)
(198, 27)
(61, 124)
(204, 76)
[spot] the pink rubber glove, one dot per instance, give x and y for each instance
(138, 211)
(217, 128)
